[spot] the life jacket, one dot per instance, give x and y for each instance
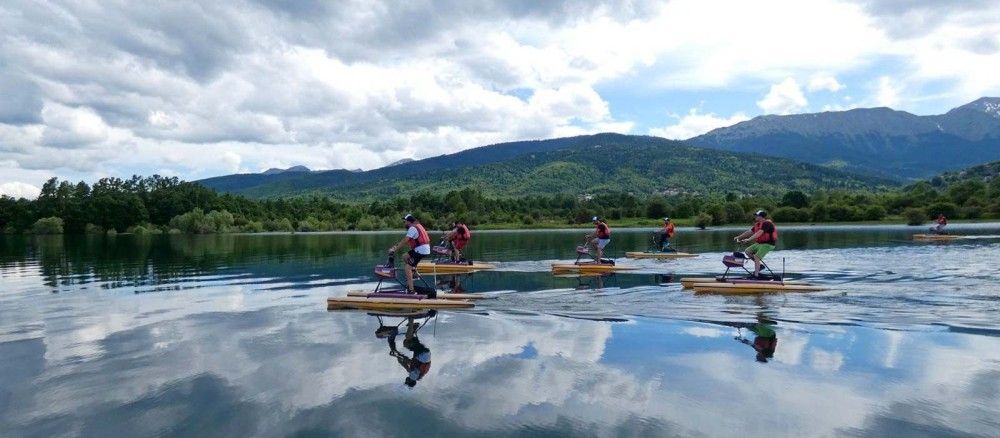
(422, 237)
(463, 233)
(603, 231)
(771, 238)
(669, 229)
(423, 367)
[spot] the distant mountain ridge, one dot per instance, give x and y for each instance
(576, 165)
(877, 141)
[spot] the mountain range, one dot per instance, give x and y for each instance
(846, 149)
(574, 165)
(876, 141)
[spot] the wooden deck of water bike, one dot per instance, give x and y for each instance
(396, 297)
(653, 251)
(590, 267)
(449, 267)
(658, 255)
(937, 237)
(730, 284)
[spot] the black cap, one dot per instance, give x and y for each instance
(760, 213)
(409, 218)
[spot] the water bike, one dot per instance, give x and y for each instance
(395, 297)
(590, 266)
(442, 263)
(656, 252)
(726, 283)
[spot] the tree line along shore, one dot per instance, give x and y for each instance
(155, 205)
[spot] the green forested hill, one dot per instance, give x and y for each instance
(605, 163)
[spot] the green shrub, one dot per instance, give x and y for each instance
(174, 231)
(915, 216)
(311, 223)
(820, 213)
(971, 212)
(282, 224)
(197, 222)
(791, 214)
(93, 229)
(948, 209)
(48, 225)
(252, 227)
(795, 199)
(366, 223)
(111, 232)
(734, 213)
(873, 213)
(703, 220)
(656, 207)
(844, 213)
(138, 229)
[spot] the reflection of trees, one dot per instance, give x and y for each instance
(134, 261)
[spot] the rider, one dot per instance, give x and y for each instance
(601, 236)
(420, 247)
(663, 236)
(764, 235)
(458, 237)
(942, 222)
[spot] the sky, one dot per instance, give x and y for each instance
(193, 89)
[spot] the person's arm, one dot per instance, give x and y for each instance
(743, 235)
(398, 245)
(753, 236)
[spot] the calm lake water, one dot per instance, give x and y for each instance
(230, 336)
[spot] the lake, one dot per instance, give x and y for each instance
(229, 335)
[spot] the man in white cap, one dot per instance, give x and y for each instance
(600, 238)
(420, 246)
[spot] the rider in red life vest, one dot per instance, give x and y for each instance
(942, 222)
(764, 235)
(459, 237)
(420, 246)
(600, 238)
(664, 235)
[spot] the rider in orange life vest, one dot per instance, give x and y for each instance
(600, 238)
(941, 223)
(420, 246)
(459, 236)
(764, 235)
(664, 235)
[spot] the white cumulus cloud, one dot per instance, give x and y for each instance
(694, 124)
(18, 189)
(824, 83)
(784, 98)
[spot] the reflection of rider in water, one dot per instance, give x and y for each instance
(765, 340)
(419, 364)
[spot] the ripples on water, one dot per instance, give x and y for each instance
(228, 335)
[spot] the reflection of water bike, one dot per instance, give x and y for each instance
(419, 364)
(763, 282)
(396, 296)
(655, 251)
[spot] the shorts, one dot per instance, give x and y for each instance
(459, 244)
(601, 243)
(415, 257)
(760, 249)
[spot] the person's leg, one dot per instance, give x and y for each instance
(752, 253)
(408, 267)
